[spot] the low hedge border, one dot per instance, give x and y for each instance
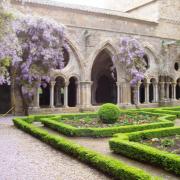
(123, 144)
(107, 165)
(68, 130)
(163, 110)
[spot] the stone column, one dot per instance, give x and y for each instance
(52, 84)
(78, 94)
(174, 91)
(138, 92)
(118, 93)
(66, 95)
(125, 93)
(147, 93)
(156, 94)
(167, 90)
(162, 92)
(36, 98)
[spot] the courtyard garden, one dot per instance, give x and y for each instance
(146, 135)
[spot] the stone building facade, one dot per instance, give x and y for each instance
(93, 35)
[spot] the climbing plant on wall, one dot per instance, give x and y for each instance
(42, 42)
(131, 55)
(31, 46)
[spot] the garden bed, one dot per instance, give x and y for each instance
(170, 144)
(57, 123)
(130, 145)
(110, 166)
(123, 120)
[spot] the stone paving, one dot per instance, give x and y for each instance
(22, 157)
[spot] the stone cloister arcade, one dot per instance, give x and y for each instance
(102, 82)
(86, 85)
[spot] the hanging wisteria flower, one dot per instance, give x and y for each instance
(10, 50)
(42, 42)
(131, 55)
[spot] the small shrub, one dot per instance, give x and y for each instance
(109, 113)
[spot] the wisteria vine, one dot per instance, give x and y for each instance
(131, 55)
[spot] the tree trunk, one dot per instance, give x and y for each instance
(135, 96)
(25, 103)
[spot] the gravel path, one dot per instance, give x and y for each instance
(22, 157)
(101, 145)
(177, 122)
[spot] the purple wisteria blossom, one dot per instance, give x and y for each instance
(42, 42)
(9, 47)
(131, 55)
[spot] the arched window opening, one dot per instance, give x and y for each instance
(142, 93)
(44, 95)
(59, 92)
(170, 91)
(151, 93)
(104, 89)
(66, 58)
(176, 66)
(146, 59)
(72, 92)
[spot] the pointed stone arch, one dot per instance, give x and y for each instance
(148, 46)
(74, 47)
(107, 46)
(103, 87)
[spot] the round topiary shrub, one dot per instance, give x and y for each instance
(109, 113)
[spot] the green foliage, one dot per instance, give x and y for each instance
(109, 113)
(123, 144)
(108, 165)
(54, 122)
(167, 142)
(5, 18)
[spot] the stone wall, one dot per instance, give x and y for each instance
(90, 31)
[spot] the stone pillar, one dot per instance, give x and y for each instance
(85, 88)
(147, 93)
(52, 84)
(118, 93)
(162, 92)
(174, 91)
(36, 98)
(138, 92)
(78, 94)
(125, 93)
(66, 95)
(156, 94)
(167, 90)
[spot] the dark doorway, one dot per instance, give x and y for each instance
(104, 77)
(177, 92)
(142, 93)
(72, 91)
(5, 98)
(151, 93)
(170, 91)
(106, 90)
(45, 96)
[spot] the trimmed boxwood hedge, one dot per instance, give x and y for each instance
(123, 144)
(107, 165)
(68, 130)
